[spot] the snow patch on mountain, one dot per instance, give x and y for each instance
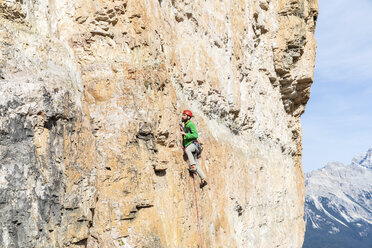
(364, 159)
(339, 201)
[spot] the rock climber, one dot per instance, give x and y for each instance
(190, 145)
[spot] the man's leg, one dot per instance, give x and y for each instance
(190, 151)
(200, 172)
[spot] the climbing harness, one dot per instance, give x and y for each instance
(197, 212)
(199, 148)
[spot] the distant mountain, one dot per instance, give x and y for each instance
(338, 205)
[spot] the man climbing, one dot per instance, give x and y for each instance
(190, 136)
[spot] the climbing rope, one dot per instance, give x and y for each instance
(197, 212)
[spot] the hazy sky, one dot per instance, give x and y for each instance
(337, 123)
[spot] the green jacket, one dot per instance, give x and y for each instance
(191, 133)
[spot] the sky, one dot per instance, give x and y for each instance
(337, 123)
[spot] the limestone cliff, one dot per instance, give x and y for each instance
(91, 99)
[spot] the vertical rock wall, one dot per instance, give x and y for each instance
(91, 97)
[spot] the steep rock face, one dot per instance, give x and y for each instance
(91, 96)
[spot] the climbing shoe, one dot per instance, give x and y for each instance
(192, 169)
(204, 183)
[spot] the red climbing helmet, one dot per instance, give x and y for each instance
(187, 112)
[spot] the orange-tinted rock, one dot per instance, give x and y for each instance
(92, 96)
